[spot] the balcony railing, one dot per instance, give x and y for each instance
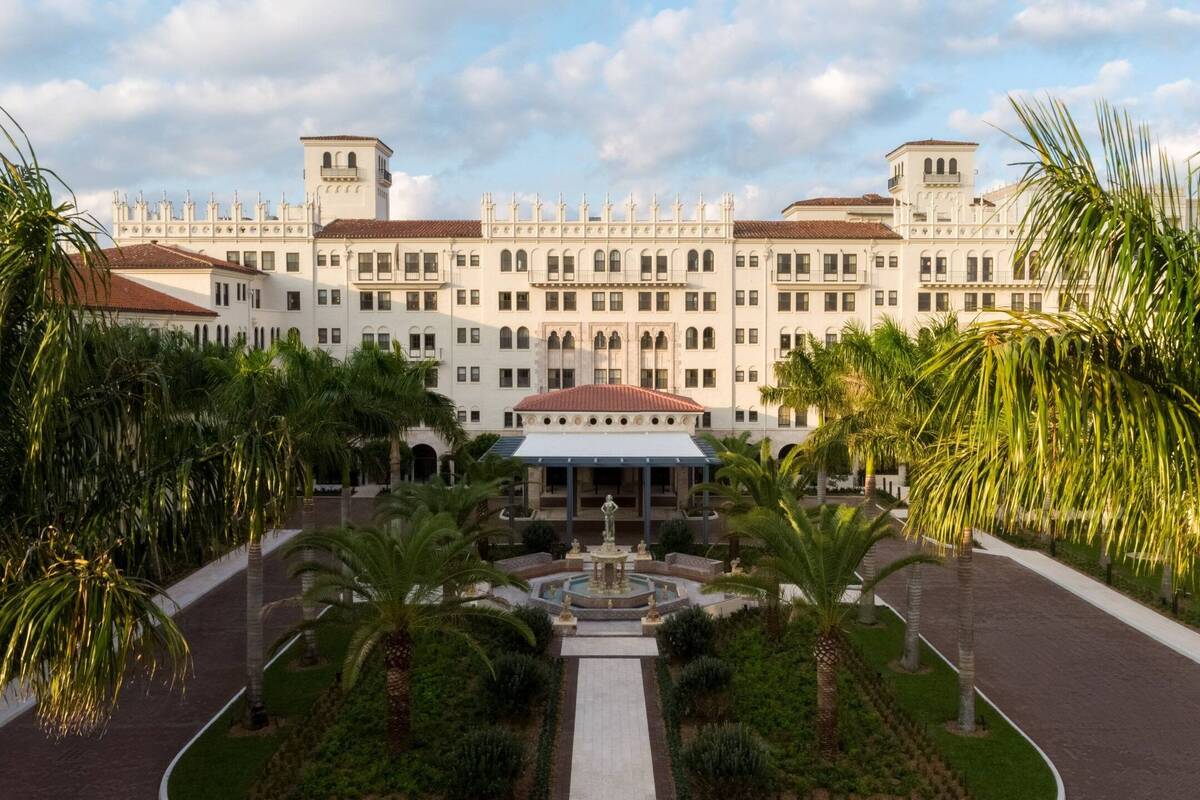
(384, 175)
(587, 277)
(857, 277)
(401, 277)
(943, 177)
(968, 278)
(340, 173)
(895, 181)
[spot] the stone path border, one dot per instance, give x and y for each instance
(14, 702)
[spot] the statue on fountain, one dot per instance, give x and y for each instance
(609, 509)
(608, 563)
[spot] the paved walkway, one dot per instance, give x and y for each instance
(1115, 710)
(610, 757)
(153, 722)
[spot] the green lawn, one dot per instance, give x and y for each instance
(1002, 765)
(220, 765)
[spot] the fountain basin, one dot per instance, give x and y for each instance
(584, 594)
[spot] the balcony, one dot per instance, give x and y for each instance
(401, 278)
(895, 181)
(430, 353)
(943, 178)
(384, 176)
(856, 278)
(339, 173)
(980, 278)
(587, 277)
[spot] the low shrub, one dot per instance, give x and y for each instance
(539, 536)
(538, 622)
(487, 765)
(675, 536)
(515, 683)
(699, 690)
(687, 634)
(728, 762)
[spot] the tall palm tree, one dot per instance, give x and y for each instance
(812, 376)
(1083, 412)
(817, 552)
(403, 584)
(257, 448)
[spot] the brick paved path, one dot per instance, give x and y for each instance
(1117, 712)
(152, 723)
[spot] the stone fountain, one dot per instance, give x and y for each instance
(608, 563)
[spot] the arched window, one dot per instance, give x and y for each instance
(506, 338)
(600, 342)
(205, 334)
(693, 261)
(953, 166)
(660, 341)
(710, 339)
(614, 341)
(614, 261)
(327, 159)
(647, 341)
(352, 161)
(522, 338)
(552, 342)
(506, 261)
(691, 339)
(227, 335)
(568, 341)
(196, 335)
(522, 261)
(598, 261)
(929, 166)
(709, 261)
(941, 166)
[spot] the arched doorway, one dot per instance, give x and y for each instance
(787, 448)
(425, 463)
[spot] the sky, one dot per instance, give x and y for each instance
(771, 101)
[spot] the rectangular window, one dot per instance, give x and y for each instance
(568, 378)
(660, 379)
(599, 376)
(293, 301)
(412, 266)
(784, 417)
(691, 301)
(322, 297)
(802, 301)
(941, 301)
(754, 336)
(784, 301)
(523, 378)
(710, 301)
(431, 342)
(830, 338)
(383, 266)
(893, 262)
(250, 259)
(660, 266)
(293, 262)
(803, 266)
(1019, 269)
(431, 264)
(893, 297)
(384, 340)
(739, 297)
(831, 266)
(753, 297)
(753, 415)
(849, 266)
(644, 301)
(505, 301)
(922, 301)
(384, 301)
(847, 301)
(988, 301)
(474, 259)
(552, 301)
(739, 415)
(926, 268)
(335, 335)
(647, 379)
(461, 335)
(474, 337)
(662, 301)
(831, 301)
(597, 301)
(474, 415)
(1017, 301)
(647, 267)
(366, 266)
(753, 261)
(431, 301)
(691, 378)
(462, 374)
(783, 266)
(972, 269)
(879, 297)
(268, 260)
(739, 261)
(508, 419)
(1035, 301)
(412, 301)
(614, 377)
(368, 338)
(474, 297)
(568, 301)
(460, 260)
(233, 256)
(474, 374)
(335, 297)
(460, 297)
(322, 335)
(616, 301)
(739, 336)
(878, 262)
(739, 375)
(431, 379)
(710, 379)
(414, 343)
(552, 266)
(706, 419)
(987, 269)
(970, 301)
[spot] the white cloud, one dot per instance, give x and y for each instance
(1059, 20)
(413, 196)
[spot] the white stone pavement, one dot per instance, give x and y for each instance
(609, 647)
(14, 700)
(1163, 630)
(610, 754)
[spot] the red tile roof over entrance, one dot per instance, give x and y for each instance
(608, 397)
(811, 229)
(402, 229)
(123, 294)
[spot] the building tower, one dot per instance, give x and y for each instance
(347, 177)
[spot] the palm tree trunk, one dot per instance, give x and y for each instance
(911, 659)
(966, 636)
(826, 653)
(344, 515)
(866, 600)
(256, 709)
(308, 610)
(398, 648)
(869, 482)
(822, 481)
(1164, 586)
(394, 465)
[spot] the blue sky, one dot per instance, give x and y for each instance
(772, 101)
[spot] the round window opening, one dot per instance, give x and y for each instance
(654, 420)
(608, 420)
(624, 420)
(562, 420)
(592, 421)
(670, 420)
(545, 420)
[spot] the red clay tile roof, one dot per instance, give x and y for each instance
(869, 199)
(161, 256)
(402, 229)
(123, 294)
(933, 143)
(608, 397)
(811, 229)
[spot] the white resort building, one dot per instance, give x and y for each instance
(685, 300)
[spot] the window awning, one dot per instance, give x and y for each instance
(569, 449)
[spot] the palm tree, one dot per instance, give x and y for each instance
(257, 446)
(403, 585)
(466, 503)
(812, 376)
(816, 552)
(1080, 413)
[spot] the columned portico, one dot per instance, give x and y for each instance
(635, 444)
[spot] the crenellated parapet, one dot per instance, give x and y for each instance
(535, 222)
(142, 220)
